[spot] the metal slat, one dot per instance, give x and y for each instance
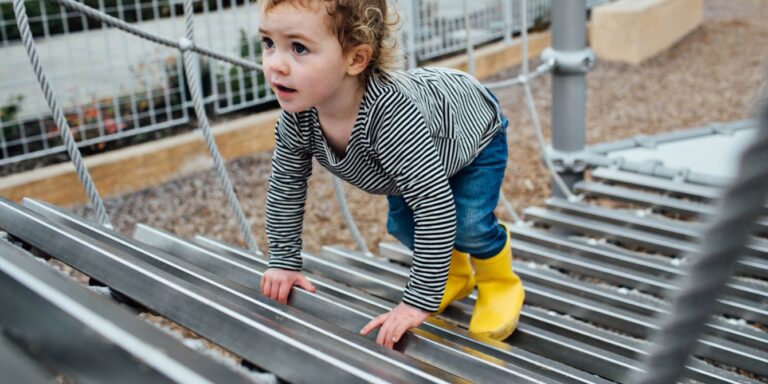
(601, 306)
(665, 203)
(677, 229)
(616, 256)
(655, 201)
(615, 274)
(437, 326)
(571, 352)
(589, 335)
(666, 186)
(686, 231)
(571, 262)
(656, 184)
(746, 264)
(231, 256)
(420, 344)
(530, 240)
(273, 340)
(50, 314)
(19, 367)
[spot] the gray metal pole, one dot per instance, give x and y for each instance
(410, 42)
(569, 25)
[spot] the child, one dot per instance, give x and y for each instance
(433, 140)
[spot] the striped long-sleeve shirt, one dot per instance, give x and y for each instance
(413, 132)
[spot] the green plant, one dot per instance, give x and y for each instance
(8, 114)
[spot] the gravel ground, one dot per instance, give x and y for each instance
(714, 74)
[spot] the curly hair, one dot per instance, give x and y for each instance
(356, 22)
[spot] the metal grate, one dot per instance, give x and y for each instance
(596, 278)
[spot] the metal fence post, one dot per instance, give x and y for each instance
(410, 33)
(569, 22)
(506, 9)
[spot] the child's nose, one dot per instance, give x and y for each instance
(277, 64)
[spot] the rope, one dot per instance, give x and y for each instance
(64, 130)
(723, 240)
(122, 25)
(193, 78)
(348, 217)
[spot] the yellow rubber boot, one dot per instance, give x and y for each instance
(461, 280)
(500, 295)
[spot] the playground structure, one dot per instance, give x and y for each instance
(563, 348)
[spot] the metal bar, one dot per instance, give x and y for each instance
(571, 261)
(569, 89)
(731, 306)
(652, 241)
(683, 230)
(571, 352)
(433, 325)
(679, 188)
(616, 274)
(473, 366)
(17, 366)
(698, 370)
(274, 337)
(582, 301)
(668, 137)
(655, 201)
(746, 264)
(618, 257)
(715, 348)
(382, 267)
(50, 314)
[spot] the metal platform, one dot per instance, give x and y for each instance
(597, 274)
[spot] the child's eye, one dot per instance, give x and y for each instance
(300, 49)
(267, 42)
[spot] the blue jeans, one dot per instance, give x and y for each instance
(476, 190)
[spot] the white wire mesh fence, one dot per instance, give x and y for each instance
(118, 89)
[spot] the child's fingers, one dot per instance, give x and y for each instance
(267, 289)
(306, 284)
(373, 324)
(385, 333)
(400, 329)
(284, 291)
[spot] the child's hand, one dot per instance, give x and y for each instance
(395, 323)
(277, 283)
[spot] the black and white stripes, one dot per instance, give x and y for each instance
(414, 131)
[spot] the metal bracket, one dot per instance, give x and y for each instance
(577, 161)
(570, 61)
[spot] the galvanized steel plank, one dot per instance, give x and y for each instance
(420, 344)
(437, 326)
(580, 300)
(684, 230)
(50, 314)
(678, 188)
(19, 367)
(246, 326)
(746, 264)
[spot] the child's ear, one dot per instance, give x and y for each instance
(358, 59)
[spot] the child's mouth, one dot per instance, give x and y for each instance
(284, 88)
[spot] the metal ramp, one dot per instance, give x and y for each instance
(596, 272)
(590, 303)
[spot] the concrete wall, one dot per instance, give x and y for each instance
(632, 31)
(142, 166)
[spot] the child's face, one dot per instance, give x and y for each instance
(302, 60)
